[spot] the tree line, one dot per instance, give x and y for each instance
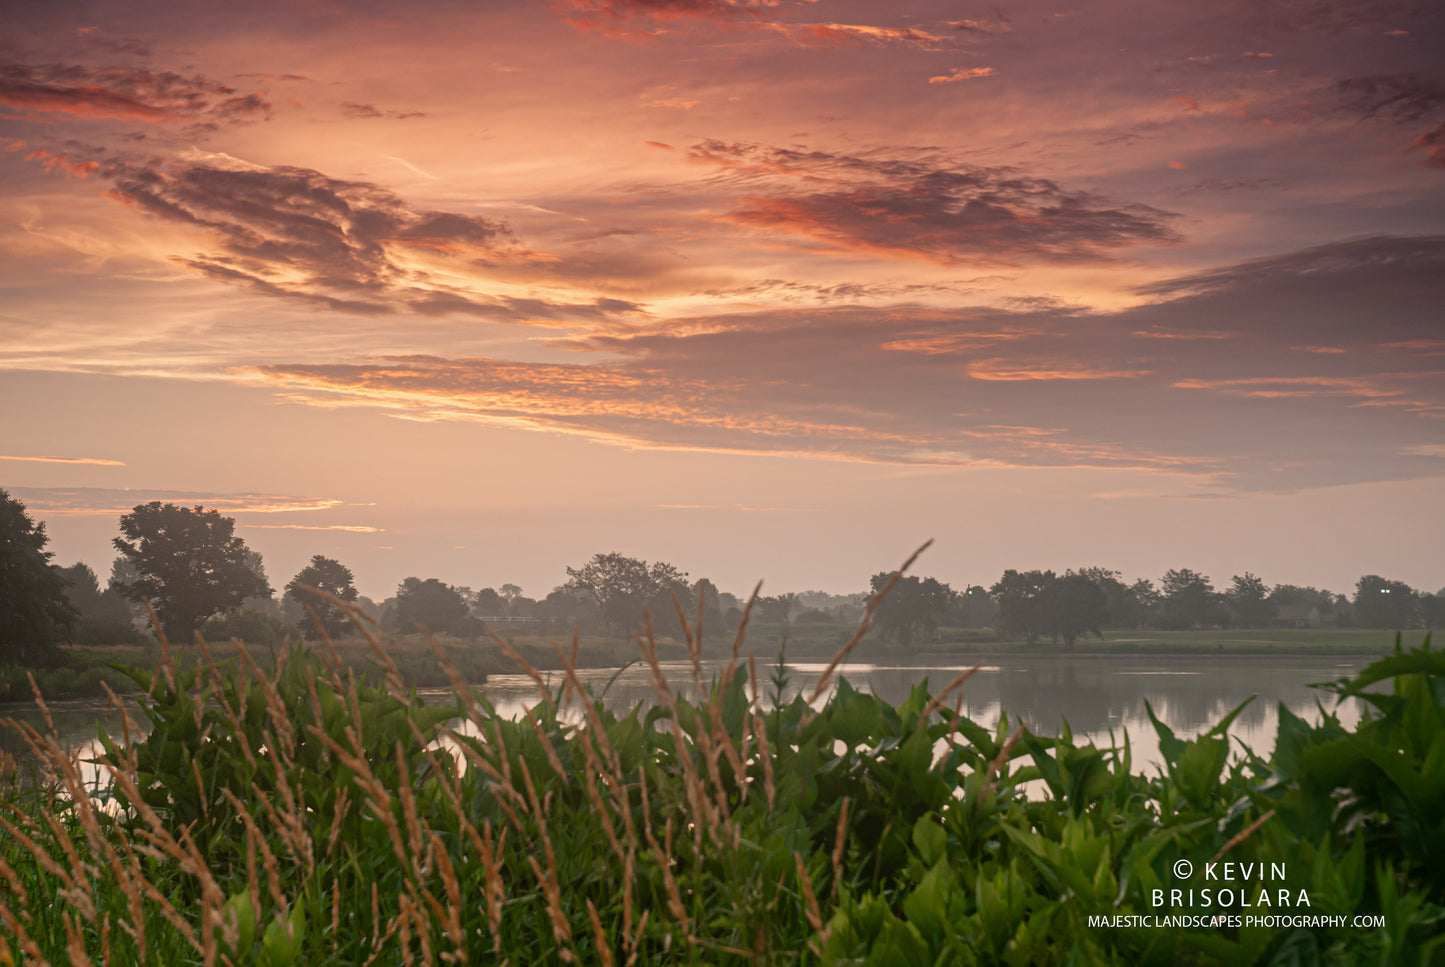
(198, 575)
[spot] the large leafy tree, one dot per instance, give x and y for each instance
(35, 613)
(914, 604)
(1249, 600)
(1381, 603)
(334, 578)
(1077, 605)
(435, 606)
(1023, 603)
(623, 586)
(1188, 600)
(188, 562)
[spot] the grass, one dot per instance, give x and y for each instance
(293, 811)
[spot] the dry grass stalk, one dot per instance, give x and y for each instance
(938, 701)
(526, 666)
(548, 748)
(1003, 754)
(840, 842)
(27, 945)
(698, 803)
(811, 910)
(760, 729)
(268, 859)
(409, 814)
(674, 896)
(496, 890)
(634, 942)
(867, 622)
(74, 943)
(552, 892)
(1243, 835)
(604, 951)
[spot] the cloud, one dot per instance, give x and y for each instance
(857, 35)
(1401, 97)
(646, 20)
(1206, 384)
(348, 246)
(63, 162)
(349, 528)
(366, 112)
(130, 94)
(943, 212)
(961, 74)
(91, 461)
(108, 502)
(1433, 144)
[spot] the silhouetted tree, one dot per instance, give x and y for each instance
(913, 605)
(1248, 599)
(189, 563)
(706, 592)
(1432, 611)
(1124, 607)
(973, 608)
(432, 604)
(333, 577)
(489, 604)
(1022, 600)
(35, 614)
(105, 616)
(1380, 603)
(1076, 605)
(623, 586)
(1188, 601)
(775, 608)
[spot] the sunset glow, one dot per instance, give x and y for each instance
(764, 289)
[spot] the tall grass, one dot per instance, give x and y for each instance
(298, 813)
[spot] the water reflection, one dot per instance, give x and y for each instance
(1093, 694)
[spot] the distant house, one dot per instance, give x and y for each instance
(1297, 616)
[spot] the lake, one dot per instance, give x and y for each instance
(1094, 694)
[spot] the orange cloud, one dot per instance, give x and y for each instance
(350, 528)
(111, 502)
(961, 74)
(90, 461)
(63, 162)
(1006, 371)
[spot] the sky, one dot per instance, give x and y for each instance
(767, 289)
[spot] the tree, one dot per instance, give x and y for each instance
(1385, 604)
(913, 604)
(189, 563)
(430, 603)
(1249, 601)
(974, 608)
(1189, 600)
(35, 614)
(775, 608)
(1145, 607)
(105, 616)
(1432, 611)
(1022, 600)
(333, 577)
(489, 604)
(1077, 604)
(1124, 608)
(623, 586)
